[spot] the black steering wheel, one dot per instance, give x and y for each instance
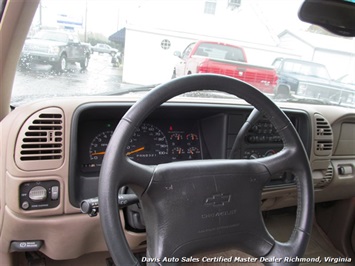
(198, 206)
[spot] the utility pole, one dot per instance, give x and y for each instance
(85, 21)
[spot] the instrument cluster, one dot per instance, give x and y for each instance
(154, 142)
(170, 134)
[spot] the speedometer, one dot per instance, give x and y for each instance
(148, 145)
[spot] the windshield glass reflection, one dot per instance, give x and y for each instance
(94, 48)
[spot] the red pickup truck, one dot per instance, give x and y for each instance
(226, 59)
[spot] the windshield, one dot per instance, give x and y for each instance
(121, 46)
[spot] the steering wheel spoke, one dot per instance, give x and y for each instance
(278, 163)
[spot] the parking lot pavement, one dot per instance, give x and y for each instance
(99, 78)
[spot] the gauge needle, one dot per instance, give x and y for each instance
(135, 151)
(98, 153)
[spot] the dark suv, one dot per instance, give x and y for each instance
(56, 48)
(312, 80)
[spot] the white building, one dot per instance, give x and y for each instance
(206, 17)
(144, 44)
(263, 39)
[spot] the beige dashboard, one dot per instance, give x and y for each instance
(47, 127)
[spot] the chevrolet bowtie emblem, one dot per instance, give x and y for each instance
(218, 200)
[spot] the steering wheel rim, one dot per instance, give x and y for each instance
(148, 182)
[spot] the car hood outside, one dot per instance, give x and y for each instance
(42, 43)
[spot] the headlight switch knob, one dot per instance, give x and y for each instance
(38, 194)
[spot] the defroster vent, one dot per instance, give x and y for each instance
(41, 140)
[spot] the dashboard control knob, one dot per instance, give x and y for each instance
(25, 205)
(38, 193)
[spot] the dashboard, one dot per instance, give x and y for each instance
(53, 151)
(170, 134)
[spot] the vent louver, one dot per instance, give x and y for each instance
(323, 136)
(322, 126)
(40, 142)
(327, 177)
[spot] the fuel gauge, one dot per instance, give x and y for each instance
(176, 137)
(193, 153)
(177, 153)
(192, 137)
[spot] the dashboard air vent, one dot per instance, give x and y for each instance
(327, 177)
(40, 142)
(322, 127)
(323, 136)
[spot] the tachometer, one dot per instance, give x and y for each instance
(99, 144)
(148, 145)
(98, 148)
